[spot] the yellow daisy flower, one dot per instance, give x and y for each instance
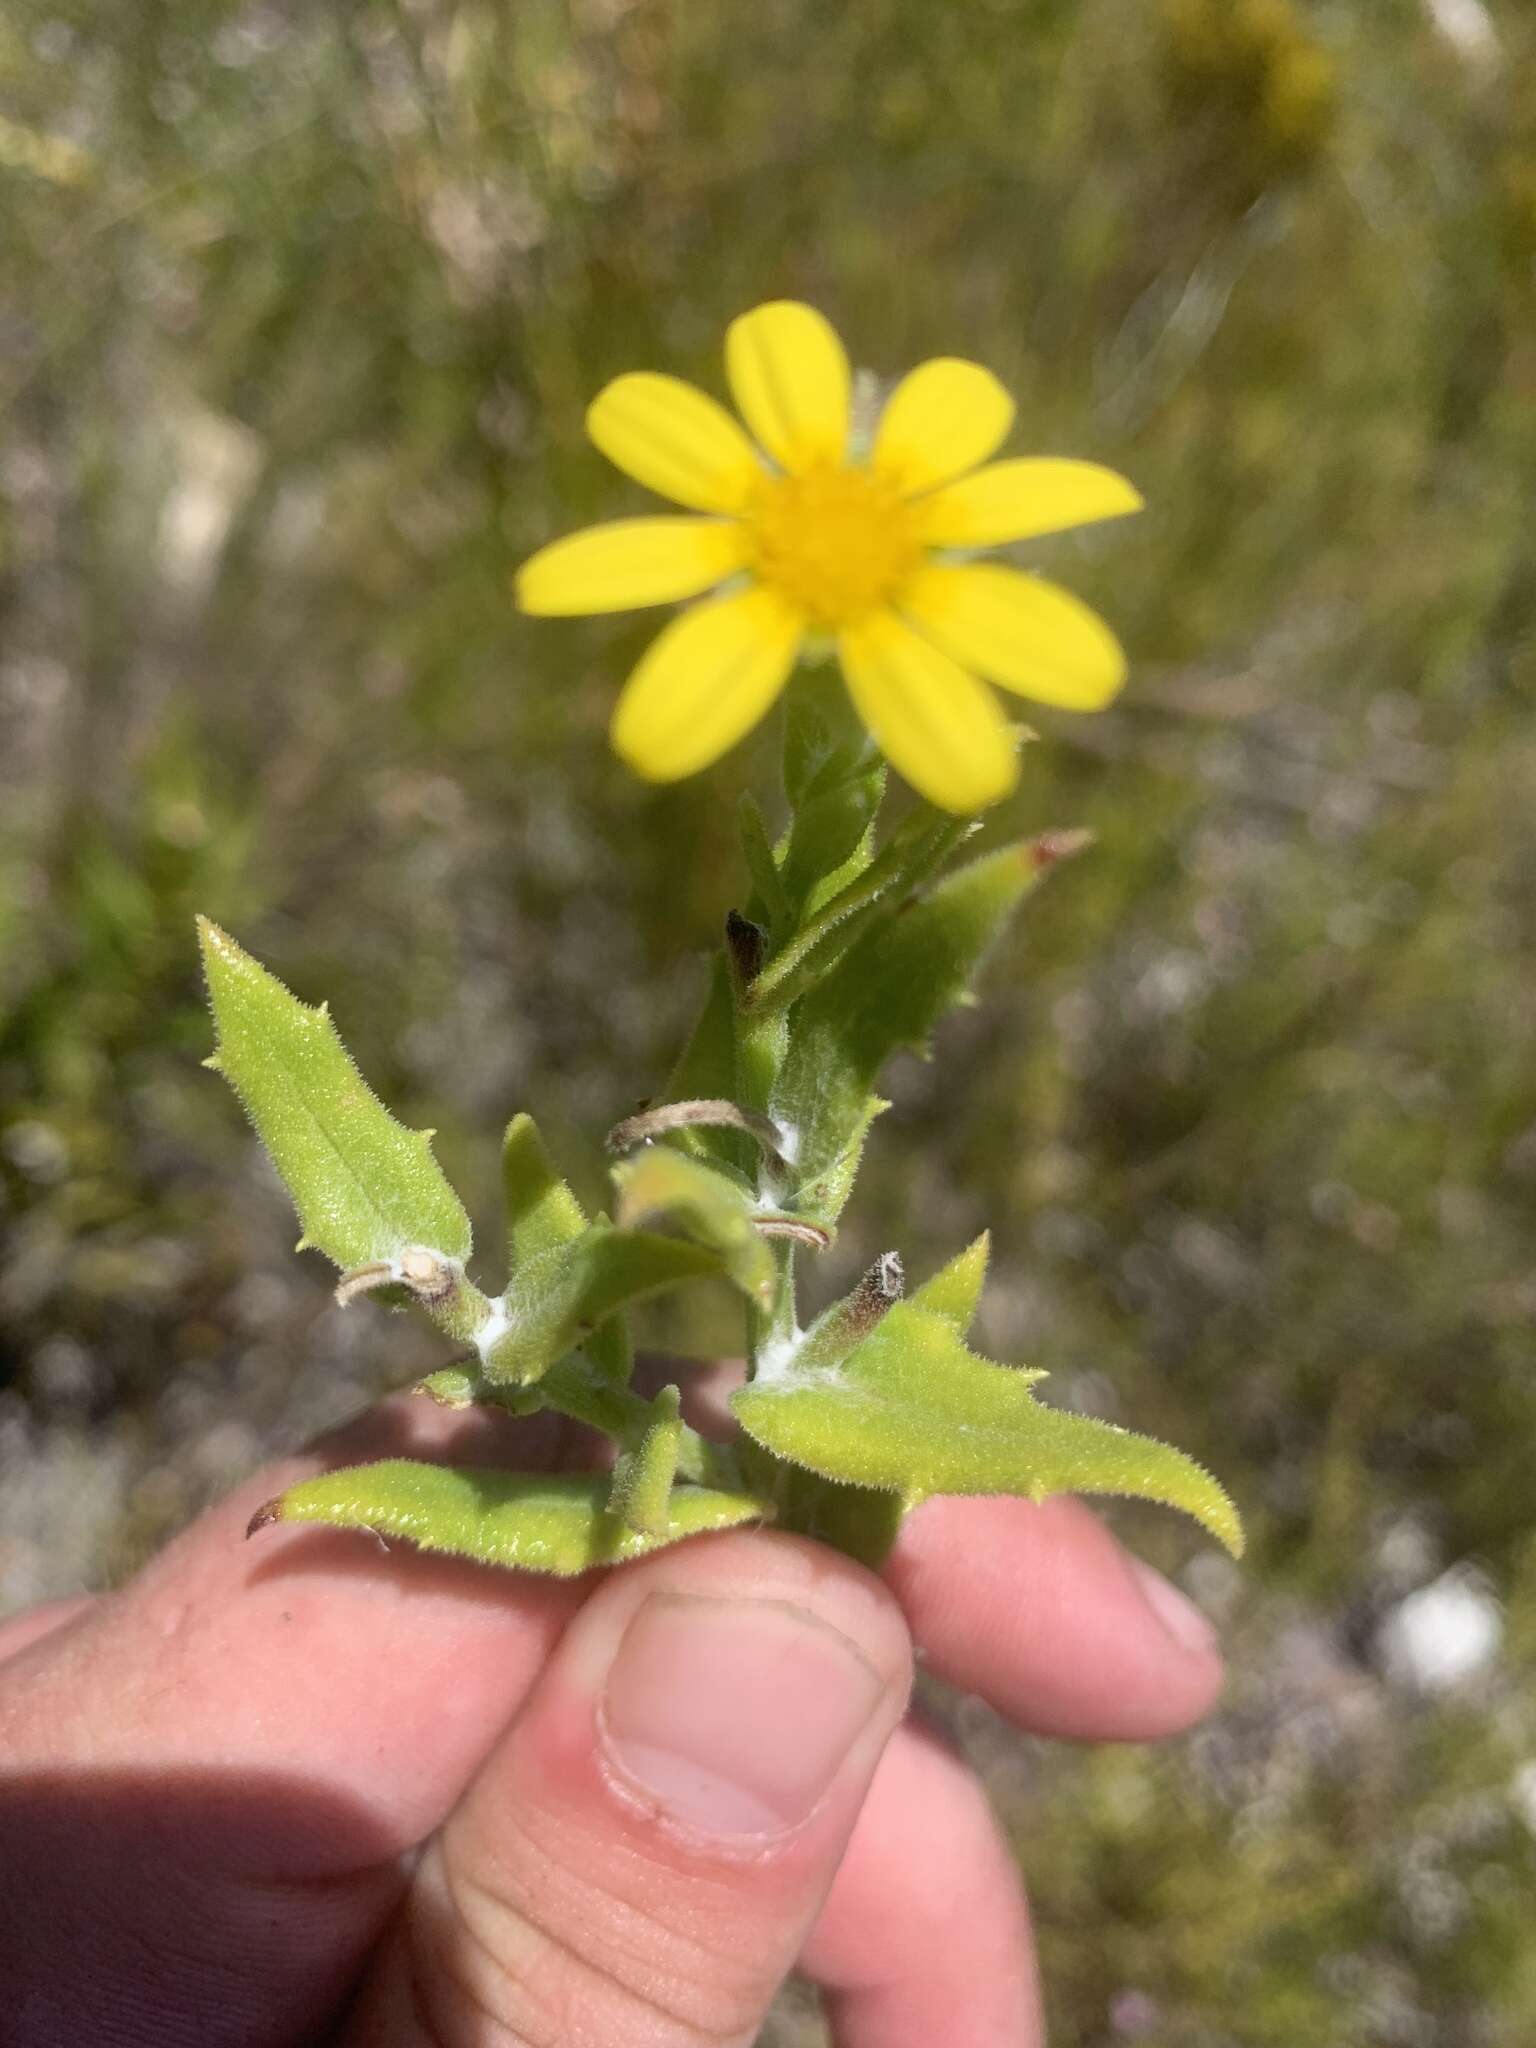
(814, 545)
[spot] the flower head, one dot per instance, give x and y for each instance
(811, 543)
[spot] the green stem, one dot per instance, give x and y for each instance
(856, 1520)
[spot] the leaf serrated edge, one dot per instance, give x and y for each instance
(214, 939)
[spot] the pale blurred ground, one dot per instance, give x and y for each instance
(299, 310)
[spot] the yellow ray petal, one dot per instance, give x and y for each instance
(933, 720)
(704, 682)
(1017, 630)
(629, 562)
(941, 420)
(673, 439)
(789, 377)
(1017, 500)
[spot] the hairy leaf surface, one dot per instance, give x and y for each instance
(912, 1410)
(541, 1211)
(954, 1292)
(365, 1187)
(641, 1490)
(558, 1298)
(659, 1184)
(887, 993)
(536, 1522)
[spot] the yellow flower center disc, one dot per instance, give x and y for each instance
(835, 542)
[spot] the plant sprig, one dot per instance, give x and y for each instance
(849, 950)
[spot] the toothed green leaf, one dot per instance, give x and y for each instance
(659, 1184)
(532, 1521)
(913, 1411)
(954, 1292)
(560, 1297)
(365, 1187)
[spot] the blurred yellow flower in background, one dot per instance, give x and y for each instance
(814, 545)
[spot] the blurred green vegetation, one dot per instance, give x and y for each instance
(301, 309)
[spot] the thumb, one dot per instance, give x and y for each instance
(643, 1854)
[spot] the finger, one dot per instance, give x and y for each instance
(644, 1853)
(924, 1937)
(21, 1631)
(257, 1731)
(1040, 1611)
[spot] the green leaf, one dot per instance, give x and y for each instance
(641, 1493)
(707, 1064)
(611, 1351)
(831, 836)
(543, 1214)
(531, 1521)
(575, 1385)
(824, 739)
(366, 1188)
(822, 1196)
(761, 864)
(559, 1297)
(954, 1292)
(541, 1211)
(452, 1386)
(834, 780)
(761, 1044)
(888, 992)
(706, 1068)
(913, 1411)
(659, 1183)
(917, 850)
(585, 1390)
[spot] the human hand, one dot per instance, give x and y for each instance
(300, 1791)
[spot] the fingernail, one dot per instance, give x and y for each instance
(733, 1716)
(1180, 1618)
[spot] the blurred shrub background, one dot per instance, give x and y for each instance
(299, 311)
